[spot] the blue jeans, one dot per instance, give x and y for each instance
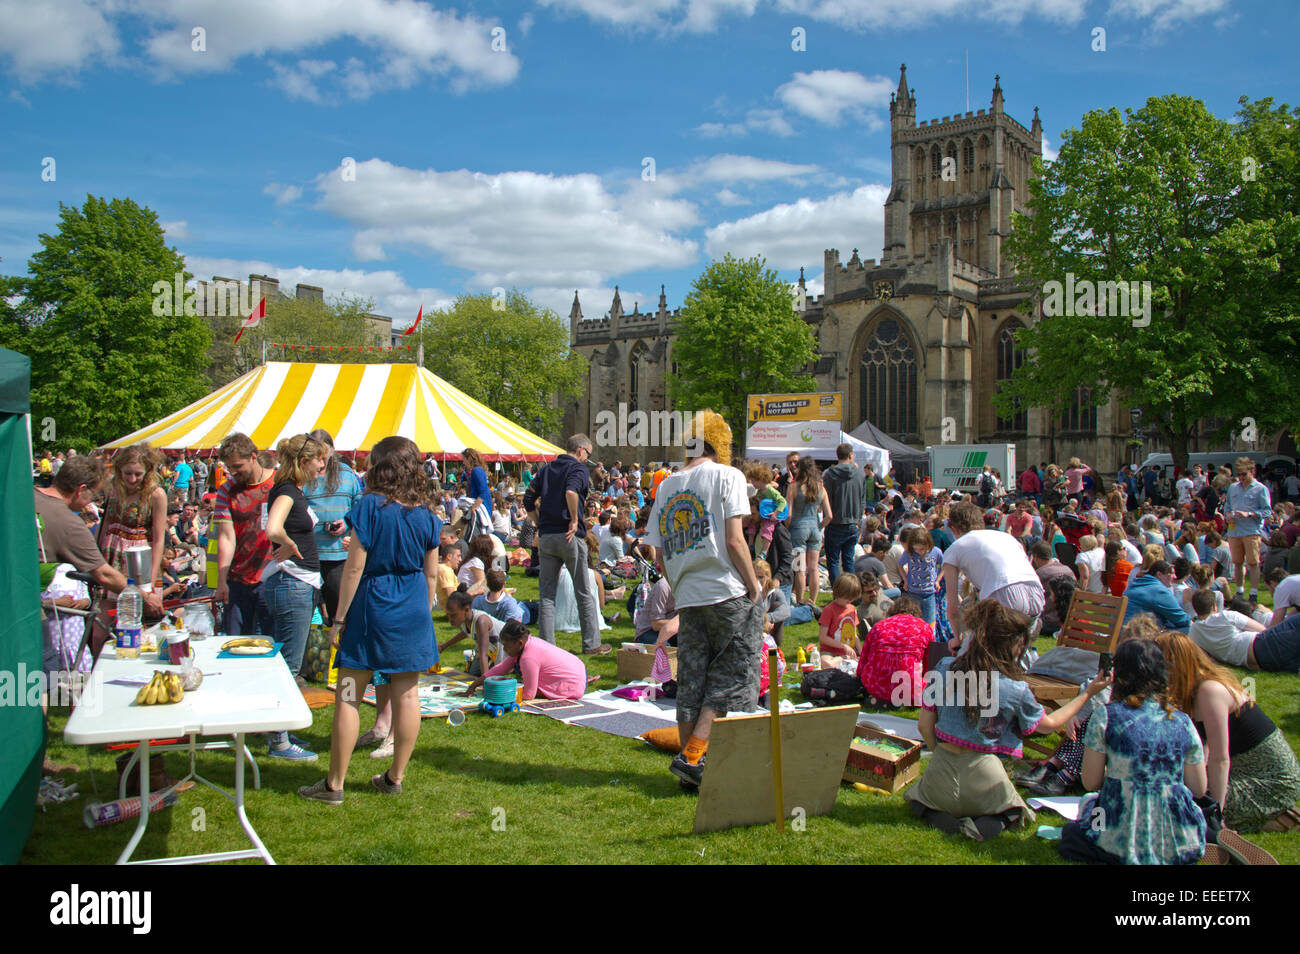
(290, 602)
(1278, 649)
(840, 540)
(246, 613)
(798, 614)
(927, 606)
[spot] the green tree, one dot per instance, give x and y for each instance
(508, 353)
(103, 364)
(341, 323)
(738, 335)
(1159, 195)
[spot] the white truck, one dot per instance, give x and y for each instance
(957, 467)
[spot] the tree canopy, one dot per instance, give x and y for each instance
(737, 335)
(335, 323)
(103, 364)
(508, 353)
(1205, 211)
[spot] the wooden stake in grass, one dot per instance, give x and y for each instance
(773, 684)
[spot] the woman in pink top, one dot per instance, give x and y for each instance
(547, 670)
(893, 655)
(1074, 479)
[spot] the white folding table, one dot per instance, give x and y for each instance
(238, 696)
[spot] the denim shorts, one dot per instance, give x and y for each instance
(805, 536)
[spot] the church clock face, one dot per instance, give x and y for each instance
(884, 290)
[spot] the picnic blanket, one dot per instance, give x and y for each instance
(606, 712)
(439, 693)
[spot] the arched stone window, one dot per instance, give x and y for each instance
(1081, 415)
(635, 360)
(890, 376)
(936, 160)
(1010, 358)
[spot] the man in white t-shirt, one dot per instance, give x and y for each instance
(696, 523)
(1286, 593)
(994, 562)
(1224, 634)
(1184, 487)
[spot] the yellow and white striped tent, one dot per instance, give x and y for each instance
(358, 404)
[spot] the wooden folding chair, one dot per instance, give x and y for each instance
(1093, 623)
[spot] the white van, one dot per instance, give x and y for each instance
(1209, 462)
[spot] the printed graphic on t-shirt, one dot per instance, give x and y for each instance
(684, 523)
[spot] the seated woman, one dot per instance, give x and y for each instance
(1144, 761)
(892, 661)
(1060, 772)
(965, 787)
(545, 670)
(1253, 773)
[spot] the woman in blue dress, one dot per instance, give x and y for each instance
(384, 612)
(1143, 759)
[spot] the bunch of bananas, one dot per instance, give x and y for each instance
(247, 646)
(164, 689)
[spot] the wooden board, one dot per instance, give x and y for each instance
(737, 787)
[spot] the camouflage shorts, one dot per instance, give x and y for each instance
(717, 657)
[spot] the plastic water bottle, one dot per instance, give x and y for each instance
(130, 621)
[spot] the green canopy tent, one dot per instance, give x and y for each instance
(21, 726)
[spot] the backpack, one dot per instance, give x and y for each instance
(986, 484)
(832, 686)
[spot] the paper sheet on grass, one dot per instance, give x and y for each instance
(1067, 806)
(598, 706)
(900, 726)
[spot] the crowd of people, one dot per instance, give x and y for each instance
(718, 561)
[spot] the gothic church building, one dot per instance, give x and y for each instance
(918, 340)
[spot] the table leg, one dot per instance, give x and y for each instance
(239, 802)
(143, 822)
(257, 772)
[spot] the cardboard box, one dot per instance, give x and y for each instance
(634, 665)
(881, 768)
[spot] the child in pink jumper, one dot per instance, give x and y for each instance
(546, 670)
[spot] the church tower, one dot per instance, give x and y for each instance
(902, 118)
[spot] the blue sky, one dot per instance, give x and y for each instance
(525, 164)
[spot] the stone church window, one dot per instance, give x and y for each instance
(936, 161)
(889, 382)
(639, 354)
(968, 155)
(1081, 414)
(1009, 359)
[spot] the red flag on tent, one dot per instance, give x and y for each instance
(254, 319)
(418, 316)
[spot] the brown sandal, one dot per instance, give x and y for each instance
(1288, 820)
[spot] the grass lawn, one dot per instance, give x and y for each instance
(561, 794)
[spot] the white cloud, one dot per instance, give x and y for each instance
(829, 95)
(525, 24)
(19, 98)
(511, 228)
(400, 43)
(761, 120)
(796, 234)
(707, 15)
(1166, 14)
(54, 37)
(727, 197)
(177, 231)
(387, 289)
(1049, 152)
(284, 194)
(731, 168)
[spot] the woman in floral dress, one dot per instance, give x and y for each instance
(135, 513)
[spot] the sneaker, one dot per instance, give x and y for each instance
(381, 784)
(1035, 775)
(291, 752)
(691, 775)
(370, 737)
(604, 649)
(1052, 786)
(385, 750)
(294, 740)
(1242, 851)
(321, 792)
